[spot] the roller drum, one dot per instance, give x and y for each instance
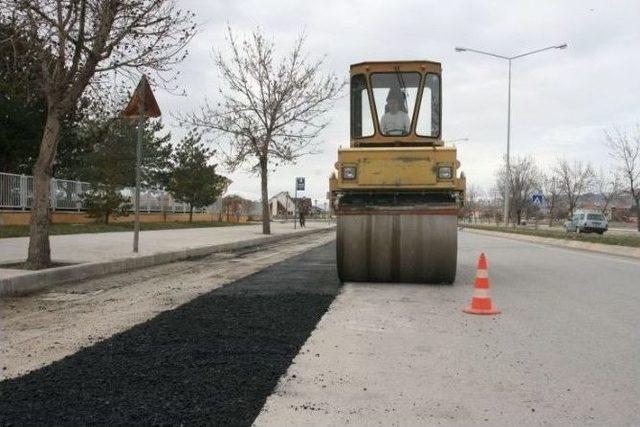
(402, 247)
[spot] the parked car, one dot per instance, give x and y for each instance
(587, 222)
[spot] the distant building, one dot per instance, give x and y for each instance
(282, 205)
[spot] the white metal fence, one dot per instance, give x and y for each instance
(16, 193)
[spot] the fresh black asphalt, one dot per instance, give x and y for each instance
(211, 361)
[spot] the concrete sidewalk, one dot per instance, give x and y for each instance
(103, 253)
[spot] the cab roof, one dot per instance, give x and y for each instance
(394, 66)
(416, 62)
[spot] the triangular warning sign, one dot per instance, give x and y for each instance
(144, 95)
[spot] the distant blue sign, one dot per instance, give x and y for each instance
(300, 184)
(537, 198)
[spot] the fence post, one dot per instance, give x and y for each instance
(162, 198)
(79, 195)
(23, 192)
(52, 194)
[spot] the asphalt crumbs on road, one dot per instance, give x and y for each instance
(211, 361)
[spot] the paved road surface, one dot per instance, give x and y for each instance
(566, 349)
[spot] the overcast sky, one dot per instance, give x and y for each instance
(562, 100)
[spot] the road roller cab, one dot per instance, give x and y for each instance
(396, 190)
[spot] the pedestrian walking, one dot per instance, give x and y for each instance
(303, 214)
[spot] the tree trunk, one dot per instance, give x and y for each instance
(106, 218)
(638, 212)
(266, 220)
(190, 213)
(39, 248)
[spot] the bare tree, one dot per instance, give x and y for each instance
(607, 186)
(525, 178)
(551, 191)
(235, 205)
(495, 201)
(246, 207)
(74, 41)
(270, 110)
(472, 194)
(575, 179)
(624, 147)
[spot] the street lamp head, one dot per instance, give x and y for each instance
(460, 49)
(562, 46)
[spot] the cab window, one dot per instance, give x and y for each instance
(394, 96)
(429, 112)
(361, 115)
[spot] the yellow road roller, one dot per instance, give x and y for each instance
(396, 191)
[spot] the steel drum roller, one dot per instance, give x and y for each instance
(398, 247)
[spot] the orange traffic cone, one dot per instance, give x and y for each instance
(481, 302)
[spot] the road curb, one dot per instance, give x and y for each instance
(625, 251)
(43, 279)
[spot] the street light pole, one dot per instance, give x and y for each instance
(508, 164)
(507, 191)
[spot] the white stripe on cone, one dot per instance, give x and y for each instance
(481, 293)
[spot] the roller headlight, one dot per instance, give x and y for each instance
(349, 172)
(445, 172)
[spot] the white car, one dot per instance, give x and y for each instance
(587, 222)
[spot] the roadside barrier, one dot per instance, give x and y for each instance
(481, 302)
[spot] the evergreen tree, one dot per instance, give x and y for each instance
(110, 163)
(192, 179)
(111, 159)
